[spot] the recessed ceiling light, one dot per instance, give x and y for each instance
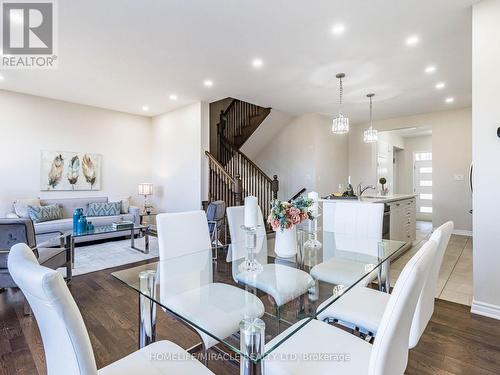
(208, 83)
(412, 40)
(145, 108)
(430, 69)
(173, 97)
(450, 100)
(257, 63)
(440, 85)
(338, 29)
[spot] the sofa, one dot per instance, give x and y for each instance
(46, 230)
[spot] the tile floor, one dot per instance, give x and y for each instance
(455, 276)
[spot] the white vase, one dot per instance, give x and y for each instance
(285, 244)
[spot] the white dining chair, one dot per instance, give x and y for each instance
(363, 308)
(65, 339)
(283, 283)
(186, 279)
(356, 229)
(319, 348)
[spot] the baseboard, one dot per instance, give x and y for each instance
(461, 232)
(485, 309)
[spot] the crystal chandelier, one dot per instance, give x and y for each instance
(340, 124)
(370, 135)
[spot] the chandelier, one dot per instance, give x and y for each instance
(370, 135)
(340, 124)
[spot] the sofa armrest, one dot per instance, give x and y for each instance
(12, 215)
(136, 211)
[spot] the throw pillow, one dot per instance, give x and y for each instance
(103, 209)
(44, 213)
(21, 206)
(125, 203)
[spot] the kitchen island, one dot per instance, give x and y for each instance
(399, 214)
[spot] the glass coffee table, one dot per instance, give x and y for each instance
(142, 230)
(249, 312)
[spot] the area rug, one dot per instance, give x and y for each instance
(110, 254)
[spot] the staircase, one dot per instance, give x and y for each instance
(232, 175)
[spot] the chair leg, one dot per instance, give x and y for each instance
(27, 307)
(204, 353)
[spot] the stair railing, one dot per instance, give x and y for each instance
(223, 186)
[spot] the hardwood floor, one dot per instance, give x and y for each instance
(455, 341)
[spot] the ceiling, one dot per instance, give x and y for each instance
(124, 54)
(412, 132)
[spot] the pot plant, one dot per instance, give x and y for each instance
(382, 182)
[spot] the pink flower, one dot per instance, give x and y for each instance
(294, 211)
(303, 216)
(295, 218)
(275, 224)
(288, 225)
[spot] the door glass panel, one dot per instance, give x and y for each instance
(427, 210)
(425, 183)
(426, 196)
(426, 170)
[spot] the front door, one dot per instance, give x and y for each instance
(422, 184)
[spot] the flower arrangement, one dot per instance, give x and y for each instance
(284, 215)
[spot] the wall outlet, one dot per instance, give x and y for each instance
(458, 177)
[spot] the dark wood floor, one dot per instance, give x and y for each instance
(455, 341)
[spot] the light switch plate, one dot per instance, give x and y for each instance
(458, 177)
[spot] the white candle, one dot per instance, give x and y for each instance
(349, 180)
(251, 212)
(315, 207)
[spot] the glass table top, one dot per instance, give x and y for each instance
(214, 290)
(101, 229)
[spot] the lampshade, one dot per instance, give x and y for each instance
(340, 124)
(146, 188)
(370, 135)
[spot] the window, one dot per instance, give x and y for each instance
(425, 182)
(425, 196)
(423, 156)
(425, 170)
(426, 210)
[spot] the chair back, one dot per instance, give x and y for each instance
(180, 235)
(65, 338)
(425, 305)
(390, 351)
(215, 213)
(357, 228)
(14, 231)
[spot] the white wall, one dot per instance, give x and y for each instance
(180, 138)
(452, 154)
(306, 154)
(486, 154)
(272, 125)
(29, 124)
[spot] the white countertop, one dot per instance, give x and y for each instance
(373, 198)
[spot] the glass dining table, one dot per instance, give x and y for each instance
(246, 296)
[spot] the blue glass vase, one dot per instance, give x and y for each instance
(76, 216)
(82, 225)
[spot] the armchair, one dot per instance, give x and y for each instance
(14, 231)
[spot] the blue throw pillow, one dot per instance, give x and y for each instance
(44, 213)
(104, 209)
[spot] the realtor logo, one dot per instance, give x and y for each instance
(28, 35)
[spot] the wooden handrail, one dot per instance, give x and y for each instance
(214, 160)
(302, 191)
(229, 145)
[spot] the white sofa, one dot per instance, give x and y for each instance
(48, 229)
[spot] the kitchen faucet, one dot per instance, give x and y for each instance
(360, 189)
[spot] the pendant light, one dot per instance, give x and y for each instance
(370, 135)
(340, 124)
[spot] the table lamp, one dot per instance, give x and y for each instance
(146, 189)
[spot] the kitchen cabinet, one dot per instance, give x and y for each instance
(403, 221)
